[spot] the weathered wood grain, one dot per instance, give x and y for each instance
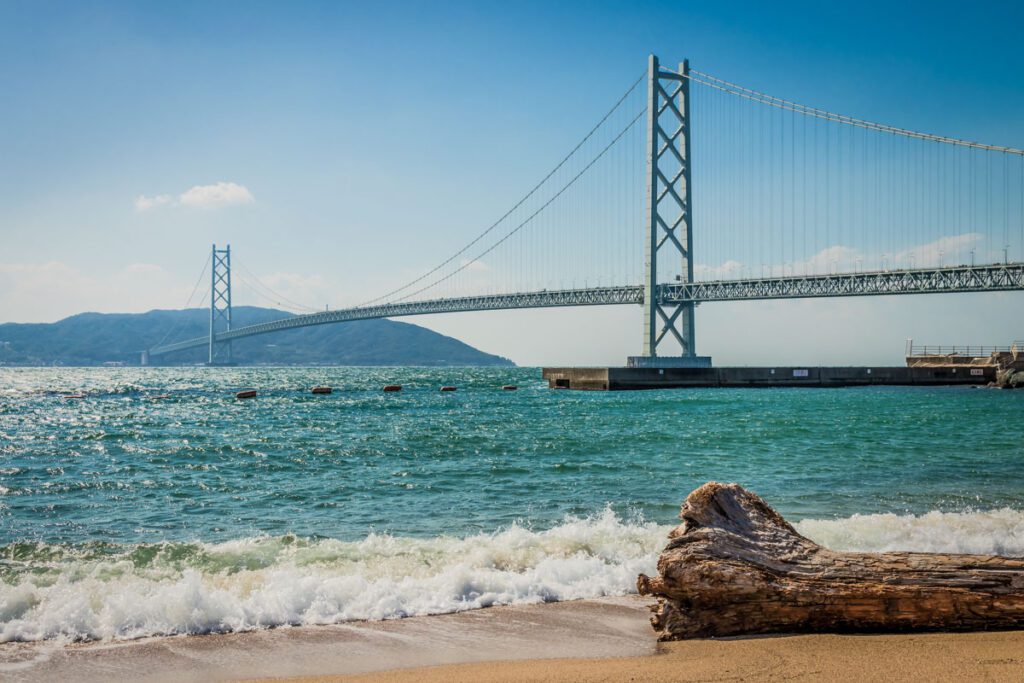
(736, 567)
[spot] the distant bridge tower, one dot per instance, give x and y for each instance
(669, 215)
(220, 305)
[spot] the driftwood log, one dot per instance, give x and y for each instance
(736, 567)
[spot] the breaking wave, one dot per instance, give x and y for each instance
(97, 591)
(992, 532)
(174, 588)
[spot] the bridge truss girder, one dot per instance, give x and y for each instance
(998, 277)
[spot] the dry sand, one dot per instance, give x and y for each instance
(931, 658)
(590, 640)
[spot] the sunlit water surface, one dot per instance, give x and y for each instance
(123, 515)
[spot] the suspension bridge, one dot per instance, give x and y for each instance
(794, 202)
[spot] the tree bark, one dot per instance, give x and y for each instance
(736, 567)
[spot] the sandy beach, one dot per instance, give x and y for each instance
(932, 657)
(611, 627)
(587, 640)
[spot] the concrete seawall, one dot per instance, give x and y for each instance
(620, 378)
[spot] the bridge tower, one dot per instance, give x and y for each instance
(669, 216)
(220, 305)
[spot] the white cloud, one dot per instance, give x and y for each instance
(199, 196)
(144, 203)
(218, 194)
(950, 250)
(946, 251)
(729, 270)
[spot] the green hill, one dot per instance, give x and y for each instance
(101, 338)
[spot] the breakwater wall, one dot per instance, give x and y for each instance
(622, 378)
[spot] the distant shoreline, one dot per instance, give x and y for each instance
(96, 339)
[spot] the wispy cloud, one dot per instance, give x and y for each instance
(945, 251)
(199, 196)
(144, 203)
(218, 194)
(728, 270)
(950, 249)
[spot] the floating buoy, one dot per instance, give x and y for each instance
(510, 387)
(322, 390)
(448, 388)
(392, 387)
(248, 393)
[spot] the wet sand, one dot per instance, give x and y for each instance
(589, 640)
(607, 627)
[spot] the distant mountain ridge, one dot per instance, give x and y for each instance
(119, 338)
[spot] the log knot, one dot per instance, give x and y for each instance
(730, 507)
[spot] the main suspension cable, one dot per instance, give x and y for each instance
(740, 91)
(176, 325)
(276, 297)
(529, 194)
(533, 215)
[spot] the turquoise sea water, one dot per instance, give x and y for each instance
(123, 515)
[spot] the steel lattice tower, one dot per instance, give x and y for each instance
(669, 215)
(220, 305)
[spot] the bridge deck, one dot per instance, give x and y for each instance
(998, 277)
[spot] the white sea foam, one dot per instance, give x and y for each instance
(992, 532)
(271, 581)
(296, 581)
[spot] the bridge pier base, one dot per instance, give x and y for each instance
(632, 378)
(668, 362)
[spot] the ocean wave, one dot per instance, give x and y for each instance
(991, 532)
(110, 591)
(98, 592)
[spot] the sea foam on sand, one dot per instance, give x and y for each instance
(96, 592)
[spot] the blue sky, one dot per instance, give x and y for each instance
(365, 140)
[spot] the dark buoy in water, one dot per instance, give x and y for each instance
(510, 387)
(392, 387)
(322, 390)
(448, 388)
(248, 393)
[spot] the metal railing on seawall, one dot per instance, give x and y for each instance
(969, 350)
